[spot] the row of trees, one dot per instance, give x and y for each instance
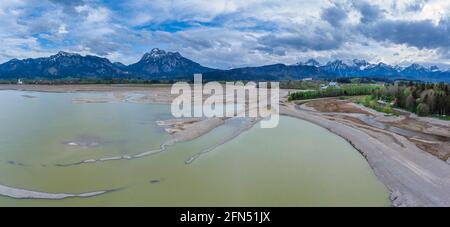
(422, 98)
(298, 84)
(331, 91)
(371, 102)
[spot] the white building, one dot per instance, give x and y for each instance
(331, 84)
(19, 81)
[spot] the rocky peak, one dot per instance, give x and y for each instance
(65, 54)
(416, 66)
(434, 68)
(310, 62)
(360, 62)
(156, 53)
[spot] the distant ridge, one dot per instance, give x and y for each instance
(159, 64)
(162, 64)
(60, 65)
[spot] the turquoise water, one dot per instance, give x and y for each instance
(295, 164)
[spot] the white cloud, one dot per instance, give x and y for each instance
(94, 15)
(219, 33)
(62, 29)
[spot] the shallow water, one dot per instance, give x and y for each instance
(296, 164)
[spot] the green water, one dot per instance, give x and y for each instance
(295, 164)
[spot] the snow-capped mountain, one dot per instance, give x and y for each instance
(159, 64)
(310, 62)
(60, 65)
(339, 68)
(165, 64)
(362, 68)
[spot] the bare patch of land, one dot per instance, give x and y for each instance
(334, 105)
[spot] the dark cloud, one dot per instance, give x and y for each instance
(318, 40)
(194, 41)
(369, 13)
(102, 47)
(270, 50)
(39, 25)
(334, 15)
(420, 34)
(416, 5)
(68, 5)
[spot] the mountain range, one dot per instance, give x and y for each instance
(159, 64)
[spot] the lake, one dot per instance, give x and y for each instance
(295, 164)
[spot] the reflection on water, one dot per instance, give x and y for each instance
(296, 164)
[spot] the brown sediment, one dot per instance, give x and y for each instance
(351, 121)
(415, 124)
(438, 149)
(354, 120)
(334, 105)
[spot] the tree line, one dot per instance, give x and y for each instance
(332, 91)
(421, 98)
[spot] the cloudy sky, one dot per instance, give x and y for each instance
(231, 33)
